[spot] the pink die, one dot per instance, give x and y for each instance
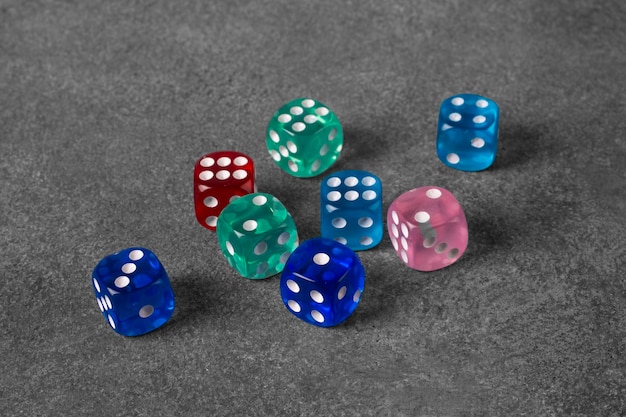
(427, 228)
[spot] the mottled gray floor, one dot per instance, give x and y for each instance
(105, 107)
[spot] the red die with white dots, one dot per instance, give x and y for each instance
(427, 228)
(218, 179)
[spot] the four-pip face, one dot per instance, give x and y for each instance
(304, 137)
(351, 207)
(467, 132)
(427, 228)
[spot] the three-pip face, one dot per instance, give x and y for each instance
(133, 291)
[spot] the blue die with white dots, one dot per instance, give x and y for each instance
(352, 209)
(133, 291)
(322, 282)
(467, 132)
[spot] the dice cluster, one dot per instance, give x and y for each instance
(322, 279)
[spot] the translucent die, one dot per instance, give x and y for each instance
(467, 132)
(133, 291)
(304, 137)
(256, 234)
(427, 228)
(218, 179)
(322, 282)
(352, 209)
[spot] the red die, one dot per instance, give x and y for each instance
(219, 178)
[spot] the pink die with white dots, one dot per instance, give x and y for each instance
(427, 228)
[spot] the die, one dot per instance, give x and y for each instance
(219, 178)
(467, 132)
(322, 282)
(133, 291)
(304, 137)
(256, 234)
(352, 209)
(427, 228)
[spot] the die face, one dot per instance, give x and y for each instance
(256, 234)
(304, 137)
(352, 209)
(322, 282)
(219, 178)
(133, 291)
(427, 228)
(467, 132)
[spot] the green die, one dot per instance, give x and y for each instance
(304, 137)
(256, 234)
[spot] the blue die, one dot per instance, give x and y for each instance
(467, 132)
(322, 282)
(133, 291)
(352, 209)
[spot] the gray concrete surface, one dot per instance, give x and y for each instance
(105, 107)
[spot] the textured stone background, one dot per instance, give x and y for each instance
(105, 107)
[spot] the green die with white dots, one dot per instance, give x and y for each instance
(257, 235)
(304, 137)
